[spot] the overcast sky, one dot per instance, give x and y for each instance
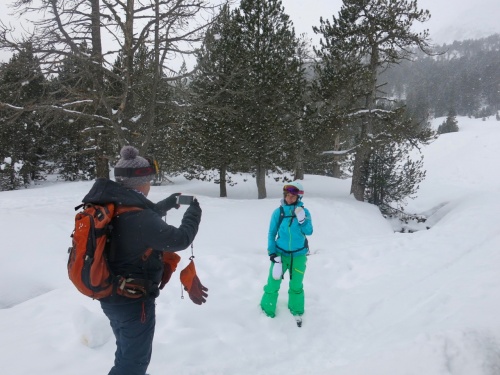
(450, 19)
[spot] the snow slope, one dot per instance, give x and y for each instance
(377, 302)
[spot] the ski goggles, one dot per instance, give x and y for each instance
(290, 189)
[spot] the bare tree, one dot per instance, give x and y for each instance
(111, 31)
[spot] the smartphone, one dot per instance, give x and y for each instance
(184, 199)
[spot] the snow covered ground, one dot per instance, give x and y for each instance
(377, 302)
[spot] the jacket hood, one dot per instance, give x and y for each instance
(107, 191)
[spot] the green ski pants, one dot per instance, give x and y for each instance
(296, 268)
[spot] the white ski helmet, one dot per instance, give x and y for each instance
(294, 188)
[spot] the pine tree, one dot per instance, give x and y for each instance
(268, 49)
(392, 176)
(366, 38)
(21, 134)
(214, 125)
(450, 125)
(303, 145)
(77, 143)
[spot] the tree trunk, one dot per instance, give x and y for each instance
(151, 115)
(102, 166)
(336, 171)
(299, 165)
(358, 181)
(299, 155)
(364, 151)
(362, 158)
(299, 173)
(101, 158)
(101, 161)
(260, 178)
(96, 38)
(222, 184)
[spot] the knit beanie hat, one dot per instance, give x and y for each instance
(132, 170)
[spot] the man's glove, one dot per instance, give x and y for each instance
(171, 202)
(168, 203)
(272, 257)
(193, 285)
(194, 209)
(300, 214)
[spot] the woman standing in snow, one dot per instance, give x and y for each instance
(287, 247)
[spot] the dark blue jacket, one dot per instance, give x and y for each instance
(135, 231)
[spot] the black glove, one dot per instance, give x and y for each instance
(168, 203)
(194, 209)
(272, 257)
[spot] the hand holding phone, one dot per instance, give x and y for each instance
(185, 199)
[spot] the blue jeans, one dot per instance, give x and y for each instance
(134, 326)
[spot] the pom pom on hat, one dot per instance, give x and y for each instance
(129, 152)
(130, 159)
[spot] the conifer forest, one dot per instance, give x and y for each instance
(252, 96)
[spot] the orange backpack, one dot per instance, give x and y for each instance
(88, 267)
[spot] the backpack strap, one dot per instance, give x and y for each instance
(282, 216)
(122, 209)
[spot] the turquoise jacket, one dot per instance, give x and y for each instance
(290, 237)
